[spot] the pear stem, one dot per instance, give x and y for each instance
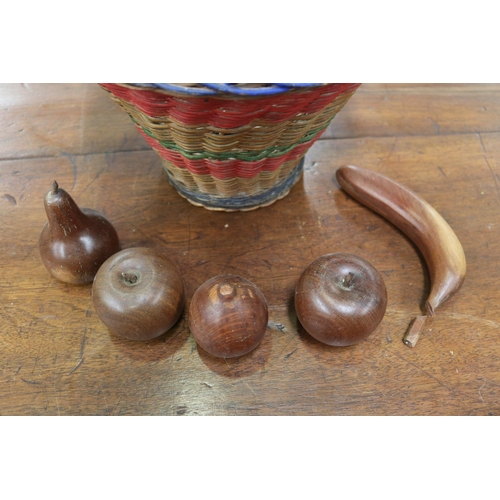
(55, 188)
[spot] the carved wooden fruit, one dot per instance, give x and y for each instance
(340, 299)
(228, 316)
(442, 250)
(436, 240)
(74, 242)
(138, 293)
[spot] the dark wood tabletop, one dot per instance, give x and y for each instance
(58, 358)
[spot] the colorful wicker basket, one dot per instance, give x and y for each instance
(232, 146)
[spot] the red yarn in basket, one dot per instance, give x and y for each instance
(227, 169)
(230, 112)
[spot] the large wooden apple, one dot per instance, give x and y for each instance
(340, 299)
(138, 293)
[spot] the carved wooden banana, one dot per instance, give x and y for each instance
(439, 245)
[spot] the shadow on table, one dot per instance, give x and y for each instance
(157, 349)
(242, 366)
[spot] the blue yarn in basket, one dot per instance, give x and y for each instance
(211, 89)
(246, 202)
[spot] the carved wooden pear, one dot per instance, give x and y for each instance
(74, 242)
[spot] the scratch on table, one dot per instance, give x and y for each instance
(374, 392)
(82, 118)
(72, 160)
(33, 382)
(321, 373)
(76, 366)
(480, 394)
(290, 353)
(481, 142)
(493, 175)
(488, 163)
(10, 199)
(246, 252)
(474, 319)
(451, 389)
(28, 253)
(36, 358)
(96, 176)
(270, 267)
(392, 148)
(282, 350)
(250, 387)
(57, 403)
(82, 347)
(170, 339)
(116, 405)
(442, 171)
(435, 125)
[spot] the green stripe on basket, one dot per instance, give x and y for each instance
(272, 152)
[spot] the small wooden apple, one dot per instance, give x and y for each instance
(228, 316)
(138, 293)
(340, 299)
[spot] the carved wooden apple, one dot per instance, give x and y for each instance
(228, 316)
(340, 299)
(138, 293)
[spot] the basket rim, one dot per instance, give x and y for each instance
(215, 89)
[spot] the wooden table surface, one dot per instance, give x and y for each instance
(57, 358)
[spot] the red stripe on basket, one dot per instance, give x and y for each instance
(227, 169)
(230, 113)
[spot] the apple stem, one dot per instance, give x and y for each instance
(411, 337)
(227, 291)
(348, 280)
(130, 278)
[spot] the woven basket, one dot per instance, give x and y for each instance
(232, 146)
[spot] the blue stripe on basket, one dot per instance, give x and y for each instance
(241, 202)
(178, 88)
(298, 85)
(209, 89)
(231, 89)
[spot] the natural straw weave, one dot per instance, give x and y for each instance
(228, 151)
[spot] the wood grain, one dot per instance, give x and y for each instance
(62, 120)
(57, 358)
(383, 110)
